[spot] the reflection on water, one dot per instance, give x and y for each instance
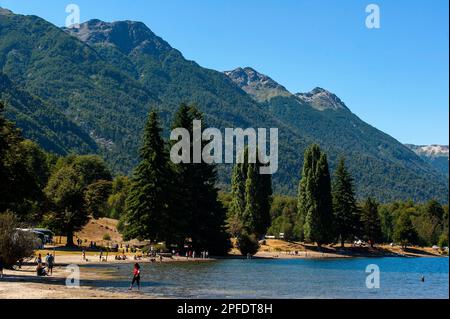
(295, 278)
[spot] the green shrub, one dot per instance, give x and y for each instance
(15, 244)
(247, 244)
(443, 241)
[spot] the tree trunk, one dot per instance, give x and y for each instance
(69, 239)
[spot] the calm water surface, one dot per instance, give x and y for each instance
(294, 278)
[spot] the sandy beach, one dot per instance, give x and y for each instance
(24, 284)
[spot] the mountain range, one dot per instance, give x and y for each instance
(89, 90)
(436, 155)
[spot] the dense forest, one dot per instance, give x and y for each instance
(89, 91)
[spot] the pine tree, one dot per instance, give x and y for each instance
(346, 215)
(203, 213)
(150, 209)
(314, 198)
(371, 221)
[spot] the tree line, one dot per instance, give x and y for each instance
(162, 201)
(326, 211)
(180, 204)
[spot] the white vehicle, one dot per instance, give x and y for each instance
(359, 243)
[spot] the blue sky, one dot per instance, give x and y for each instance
(395, 78)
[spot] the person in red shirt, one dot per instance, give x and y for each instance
(136, 276)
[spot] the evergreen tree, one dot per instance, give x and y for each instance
(314, 198)
(404, 231)
(434, 212)
(150, 209)
(346, 215)
(371, 221)
(204, 214)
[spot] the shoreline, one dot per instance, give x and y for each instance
(65, 258)
(24, 284)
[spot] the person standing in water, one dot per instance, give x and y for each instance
(136, 276)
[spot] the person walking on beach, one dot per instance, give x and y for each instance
(50, 260)
(136, 276)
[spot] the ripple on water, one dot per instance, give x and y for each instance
(290, 278)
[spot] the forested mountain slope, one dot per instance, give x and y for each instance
(104, 78)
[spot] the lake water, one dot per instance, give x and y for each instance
(288, 278)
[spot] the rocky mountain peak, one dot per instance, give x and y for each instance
(126, 35)
(5, 11)
(260, 86)
(321, 99)
(432, 150)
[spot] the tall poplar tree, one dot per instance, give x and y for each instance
(238, 199)
(258, 192)
(346, 215)
(314, 198)
(251, 197)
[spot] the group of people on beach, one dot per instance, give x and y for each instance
(41, 270)
(121, 257)
(191, 254)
